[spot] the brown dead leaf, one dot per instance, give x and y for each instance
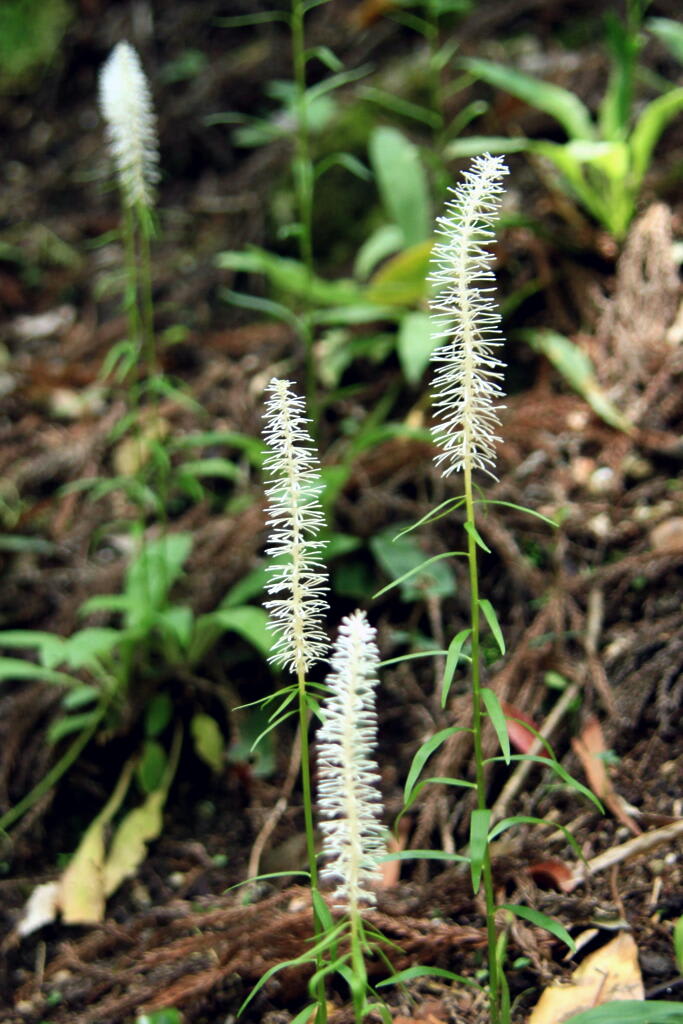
(552, 874)
(391, 869)
(610, 974)
(590, 748)
(81, 896)
(429, 1019)
(521, 738)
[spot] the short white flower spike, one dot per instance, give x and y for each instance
(126, 106)
(349, 800)
(295, 518)
(466, 383)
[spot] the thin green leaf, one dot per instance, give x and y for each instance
(492, 619)
(678, 944)
(266, 306)
(426, 972)
(632, 1011)
(454, 655)
(419, 568)
(411, 657)
(257, 18)
(471, 529)
(669, 32)
(211, 467)
(322, 911)
(561, 104)
(336, 82)
(70, 724)
(348, 161)
(385, 241)
(441, 510)
(524, 819)
(326, 56)
(402, 183)
(415, 343)
(273, 725)
(650, 126)
(519, 508)
(422, 756)
(404, 108)
(479, 832)
(264, 878)
(557, 768)
(80, 697)
(542, 921)
(453, 858)
(477, 145)
(498, 720)
(440, 780)
(17, 668)
(577, 369)
(306, 1015)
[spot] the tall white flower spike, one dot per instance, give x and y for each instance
(466, 382)
(295, 518)
(126, 106)
(349, 801)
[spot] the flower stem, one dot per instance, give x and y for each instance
(303, 187)
(318, 926)
(477, 721)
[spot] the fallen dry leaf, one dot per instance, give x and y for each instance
(610, 974)
(552, 874)
(521, 738)
(590, 748)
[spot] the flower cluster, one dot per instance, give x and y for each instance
(466, 382)
(349, 801)
(295, 518)
(126, 106)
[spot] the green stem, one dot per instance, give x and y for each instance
(303, 186)
(318, 926)
(360, 977)
(132, 282)
(477, 720)
(149, 354)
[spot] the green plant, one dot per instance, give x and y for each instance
(304, 109)
(24, 54)
(97, 664)
(297, 585)
(467, 392)
(604, 160)
(126, 106)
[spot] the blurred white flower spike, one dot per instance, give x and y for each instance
(349, 800)
(126, 106)
(295, 518)
(466, 382)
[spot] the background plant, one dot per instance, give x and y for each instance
(605, 159)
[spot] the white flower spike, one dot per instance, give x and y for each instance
(466, 383)
(349, 800)
(126, 106)
(295, 517)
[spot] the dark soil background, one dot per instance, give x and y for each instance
(596, 602)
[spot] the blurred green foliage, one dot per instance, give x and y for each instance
(31, 32)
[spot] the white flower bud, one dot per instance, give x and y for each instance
(466, 387)
(295, 517)
(349, 800)
(126, 107)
